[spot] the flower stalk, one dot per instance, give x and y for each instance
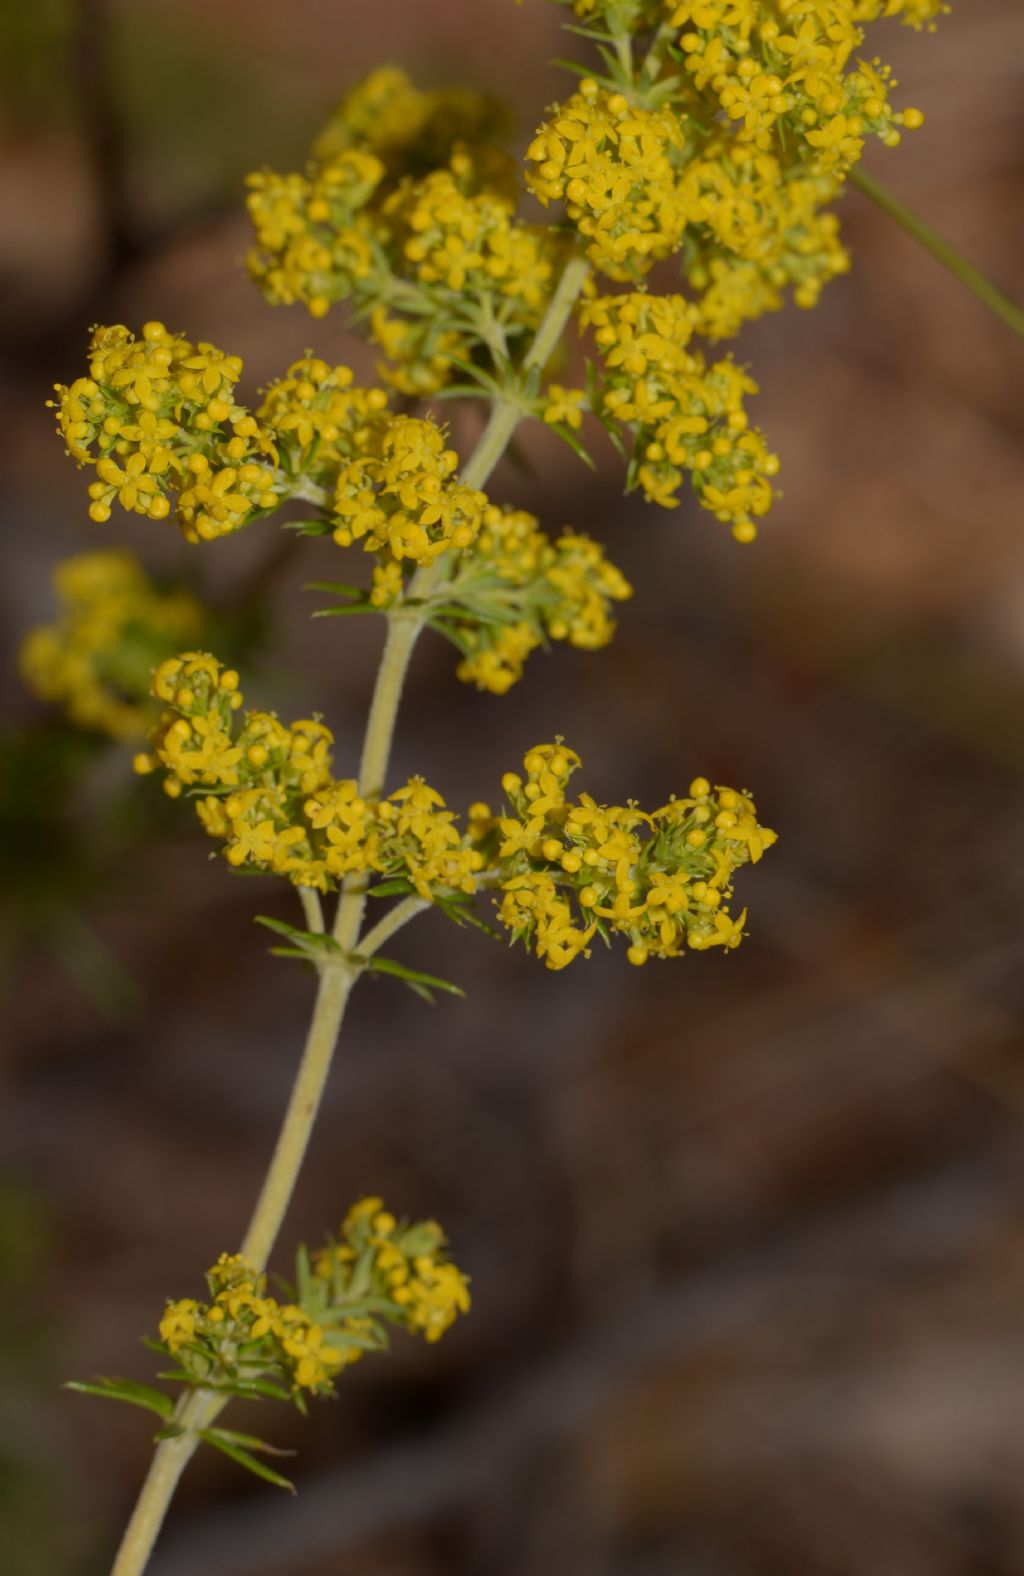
(943, 252)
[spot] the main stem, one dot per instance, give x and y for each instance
(1010, 313)
(337, 976)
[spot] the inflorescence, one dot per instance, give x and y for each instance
(719, 133)
(575, 869)
(565, 871)
(377, 1272)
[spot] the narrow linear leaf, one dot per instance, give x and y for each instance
(390, 888)
(571, 65)
(567, 435)
(586, 32)
(245, 1459)
(477, 374)
(417, 981)
(111, 1389)
(461, 914)
(335, 587)
(462, 391)
(310, 527)
(255, 1389)
(250, 1442)
(307, 940)
(339, 1339)
(449, 632)
(303, 1275)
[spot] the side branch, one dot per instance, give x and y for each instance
(988, 293)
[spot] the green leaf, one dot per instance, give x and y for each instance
(450, 633)
(571, 65)
(307, 943)
(335, 587)
(218, 1438)
(462, 914)
(461, 391)
(567, 435)
(390, 888)
(113, 1389)
(477, 374)
(303, 1275)
(339, 1339)
(255, 1389)
(421, 983)
(250, 1442)
(345, 611)
(310, 527)
(586, 32)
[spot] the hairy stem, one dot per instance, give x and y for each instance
(1010, 313)
(336, 981)
(337, 976)
(169, 1462)
(393, 920)
(310, 900)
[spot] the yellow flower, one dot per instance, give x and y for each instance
(565, 405)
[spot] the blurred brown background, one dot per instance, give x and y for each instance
(747, 1233)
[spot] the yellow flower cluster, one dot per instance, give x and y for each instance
(112, 625)
(156, 415)
(516, 589)
(573, 870)
(319, 419)
(408, 210)
(379, 1257)
(725, 139)
(377, 1272)
(412, 131)
(405, 500)
(468, 243)
(780, 72)
(386, 481)
(314, 241)
(686, 417)
(617, 167)
(759, 228)
(267, 792)
(243, 1338)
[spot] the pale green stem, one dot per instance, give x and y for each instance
(405, 625)
(647, 66)
(309, 491)
(624, 53)
(336, 981)
(1010, 313)
(310, 900)
(337, 976)
(169, 1462)
(393, 920)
